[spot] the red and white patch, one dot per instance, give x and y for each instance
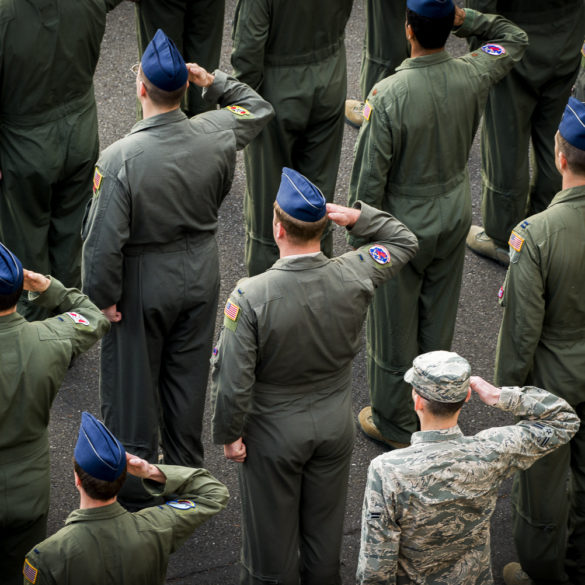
(78, 319)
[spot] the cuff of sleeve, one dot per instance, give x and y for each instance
(52, 297)
(169, 487)
(467, 28)
(353, 234)
(217, 88)
(509, 398)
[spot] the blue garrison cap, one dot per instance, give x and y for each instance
(298, 197)
(572, 126)
(431, 8)
(98, 452)
(11, 275)
(162, 63)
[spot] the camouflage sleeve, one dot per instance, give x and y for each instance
(547, 423)
(380, 540)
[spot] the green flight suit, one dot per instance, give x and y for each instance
(542, 341)
(579, 89)
(385, 44)
(150, 248)
(281, 379)
(34, 358)
(411, 160)
(195, 26)
(526, 108)
(48, 131)
(293, 54)
(111, 546)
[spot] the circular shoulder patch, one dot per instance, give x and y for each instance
(495, 50)
(78, 318)
(379, 254)
(182, 504)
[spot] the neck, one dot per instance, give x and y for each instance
(290, 249)
(85, 502)
(416, 50)
(8, 311)
(571, 180)
(149, 109)
(432, 423)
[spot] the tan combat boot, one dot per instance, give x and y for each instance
(354, 113)
(514, 575)
(371, 431)
(480, 243)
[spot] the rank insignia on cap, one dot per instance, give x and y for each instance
(97, 181)
(495, 50)
(515, 242)
(78, 319)
(29, 572)
(367, 110)
(239, 111)
(380, 254)
(182, 504)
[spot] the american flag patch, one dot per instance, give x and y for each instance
(29, 572)
(97, 180)
(367, 110)
(515, 242)
(231, 311)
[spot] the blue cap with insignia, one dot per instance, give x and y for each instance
(97, 451)
(298, 197)
(162, 63)
(572, 126)
(11, 275)
(431, 8)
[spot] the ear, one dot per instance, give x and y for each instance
(418, 402)
(279, 231)
(562, 161)
(142, 89)
(77, 480)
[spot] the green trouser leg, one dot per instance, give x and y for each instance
(15, 542)
(526, 106)
(411, 314)
(195, 26)
(306, 135)
(385, 45)
(155, 362)
(46, 183)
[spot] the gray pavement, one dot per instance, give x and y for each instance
(211, 556)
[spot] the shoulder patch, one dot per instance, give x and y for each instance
(29, 572)
(232, 314)
(97, 181)
(501, 292)
(78, 319)
(493, 49)
(239, 111)
(367, 110)
(182, 504)
(380, 255)
(515, 242)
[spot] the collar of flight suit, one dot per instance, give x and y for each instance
(91, 514)
(304, 262)
(566, 195)
(12, 320)
(424, 61)
(159, 120)
(436, 436)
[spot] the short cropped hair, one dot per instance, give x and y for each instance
(298, 231)
(431, 33)
(442, 409)
(160, 97)
(575, 156)
(99, 489)
(9, 301)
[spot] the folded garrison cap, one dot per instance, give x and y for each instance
(162, 63)
(431, 8)
(11, 275)
(572, 126)
(298, 197)
(98, 452)
(442, 376)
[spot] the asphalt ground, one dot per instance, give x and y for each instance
(211, 556)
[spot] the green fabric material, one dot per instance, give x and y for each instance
(48, 130)
(294, 55)
(279, 382)
(152, 221)
(411, 160)
(196, 28)
(385, 44)
(542, 341)
(525, 109)
(34, 359)
(110, 545)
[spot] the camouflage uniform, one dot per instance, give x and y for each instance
(427, 508)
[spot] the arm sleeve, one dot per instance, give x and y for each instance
(380, 540)
(233, 373)
(523, 300)
(250, 35)
(242, 109)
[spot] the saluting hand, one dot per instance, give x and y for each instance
(487, 393)
(235, 451)
(142, 468)
(199, 76)
(343, 216)
(35, 282)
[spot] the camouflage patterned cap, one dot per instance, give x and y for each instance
(440, 375)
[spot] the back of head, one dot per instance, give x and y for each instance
(99, 459)
(11, 278)
(300, 207)
(572, 136)
(163, 71)
(431, 21)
